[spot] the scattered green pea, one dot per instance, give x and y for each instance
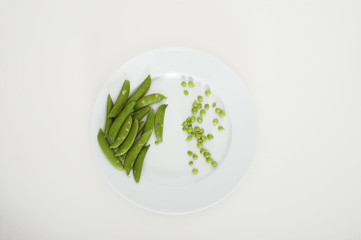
(193, 119)
(203, 112)
(209, 160)
(199, 145)
(214, 104)
(195, 104)
(195, 156)
(200, 140)
(189, 138)
(208, 92)
(191, 84)
(199, 105)
(194, 110)
(193, 134)
(210, 136)
(185, 129)
(190, 124)
(206, 106)
(201, 131)
(218, 110)
(189, 153)
(196, 128)
(215, 121)
(188, 119)
(156, 142)
(199, 119)
(200, 98)
(204, 138)
(207, 154)
(214, 163)
(198, 136)
(190, 129)
(184, 84)
(190, 163)
(203, 150)
(195, 171)
(186, 92)
(222, 113)
(220, 128)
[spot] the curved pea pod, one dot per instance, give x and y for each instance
(149, 123)
(159, 120)
(118, 122)
(142, 89)
(138, 164)
(141, 113)
(140, 127)
(108, 120)
(129, 140)
(123, 132)
(149, 99)
(109, 153)
(134, 151)
(122, 98)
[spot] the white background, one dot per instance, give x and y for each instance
(300, 60)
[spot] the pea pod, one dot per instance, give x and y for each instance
(118, 122)
(159, 120)
(140, 127)
(149, 99)
(141, 113)
(122, 98)
(124, 147)
(123, 132)
(134, 151)
(108, 120)
(149, 123)
(138, 164)
(109, 153)
(143, 88)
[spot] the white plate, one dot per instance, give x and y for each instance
(167, 184)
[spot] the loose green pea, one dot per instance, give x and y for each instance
(189, 153)
(199, 119)
(195, 156)
(190, 129)
(206, 106)
(208, 92)
(198, 136)
(200, 98)
(222, 113)
(215, 121)
(195, 104)
(199, 145)
(185, 129)
(199, 105)
(214, 163)
(191, 84)
(193, 119)
(190, 163)
(203, 150)
(207, 154)
(190, 124)
(214, 104)
(201, 131)
(203, 112)
(184, 84)
(193, 134)
(156, 142)
(196, 128)
(204, 138)
(189, 138)
(218, 110)
(220, 128)
(209, 160)
(200, 140)
(195, 171)
(210, 136)
(194, 110)
(188, 119)
(184, 123)
(186, 92)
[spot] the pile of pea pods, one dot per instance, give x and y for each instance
(197, 132)
(125, 136)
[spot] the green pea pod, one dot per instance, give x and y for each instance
(109, 153)
(118, 122)
(141, 113)
(108, 120)
(159, 120)
(123, 132)
(134, 151)
(138, 164)
(149, 123)
(142, 89)
(149, 99)
(129, 140)
(140, 127)
(122, 98)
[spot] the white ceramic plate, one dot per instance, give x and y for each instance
(167, 184)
